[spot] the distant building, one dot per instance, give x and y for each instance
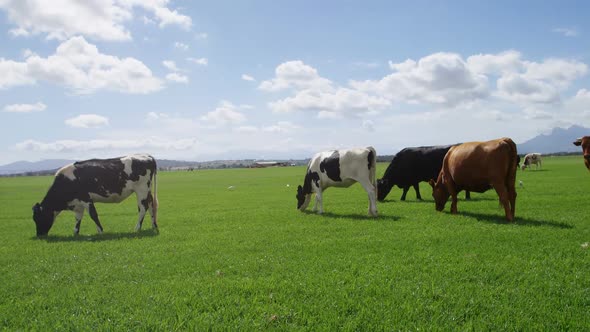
(261, 164)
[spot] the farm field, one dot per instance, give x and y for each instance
(246, 259)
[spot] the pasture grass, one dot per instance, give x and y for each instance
(246, 259)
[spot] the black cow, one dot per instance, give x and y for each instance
(79, 185)
(411, 166)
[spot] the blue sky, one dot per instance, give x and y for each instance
(276, 79)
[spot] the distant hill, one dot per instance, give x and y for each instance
(48, 167)
(27, 166)
(559, 140)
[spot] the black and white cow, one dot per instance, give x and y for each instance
(411, 166)
(79, 185)
(339, 168)
(531, 158)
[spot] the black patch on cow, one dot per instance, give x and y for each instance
(371, 158)
(310, 176)
(331, 166)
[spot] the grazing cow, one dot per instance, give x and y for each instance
(585, 143)
(411, 166)
(339, 168)
(478, 166)
(531, 158)
(79, 185)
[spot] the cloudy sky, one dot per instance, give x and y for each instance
(276, 79)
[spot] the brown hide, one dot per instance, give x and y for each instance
(478, 166)
(585, 143)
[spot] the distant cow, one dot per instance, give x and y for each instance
(531, 158)
(79, 185)
(409, 167)
(478, 166)
(585, 143)
(339, 168)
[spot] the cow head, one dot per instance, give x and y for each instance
(43, 218)
(302, 199)
(585, 143)
(383, 189)
(439, 193)
(525, 163)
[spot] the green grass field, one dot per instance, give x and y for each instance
(246, 259)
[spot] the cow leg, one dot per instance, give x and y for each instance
(505, 199)
(319, 202)
(467, 195)
(94, 216)
(153, 209)
(79, 211)
(370, 189)
(454, 203)
(417, 189)
(142, 207)
(405, 191)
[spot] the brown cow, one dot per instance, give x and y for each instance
(585, 143)
(478, 167)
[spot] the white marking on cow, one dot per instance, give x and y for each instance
(67, 171)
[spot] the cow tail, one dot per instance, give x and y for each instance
(373, 167)
(155, 188)
(155, 194)
(513, 157)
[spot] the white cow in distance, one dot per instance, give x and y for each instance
(531, 158)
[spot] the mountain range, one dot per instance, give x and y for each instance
(559, 140)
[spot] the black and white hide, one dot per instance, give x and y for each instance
(339, 168)
(78, 186)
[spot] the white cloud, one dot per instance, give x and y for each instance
(87, 121)
(295, 74)
(247, 129)
(509, 61)
(281, 127)
(558, 72)
(80, 66)
(368, 125)
(181, 46)
(97, 19)
(176, 77)
(317, 94)
(25, 108)
(447, 80)
(518, 88)
(439, 78)
(226, 113)
(171, 65)
(341, 101)
(247, 77)
(567, 32)
(366, 65)
(14, 74)
(156, 116)
(201, 35)
(130, 145)
(198, 61)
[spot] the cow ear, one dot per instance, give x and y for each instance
(578, 142)
(37, 207)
